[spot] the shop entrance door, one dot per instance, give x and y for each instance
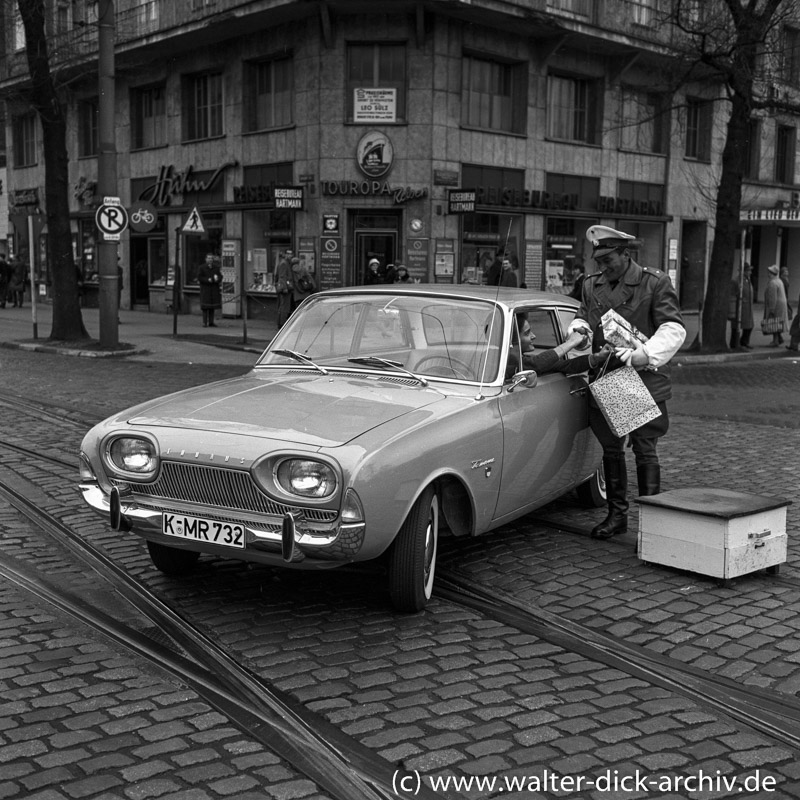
(372, 244)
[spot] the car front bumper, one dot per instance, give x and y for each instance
(310, 545)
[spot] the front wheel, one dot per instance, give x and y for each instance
(412, 559)
(172, 560)
(593, 492)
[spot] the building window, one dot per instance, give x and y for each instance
(752, 162)
(19, 29)
(24, 133)
(573, 109)
(202, 106)
(377, 66)
(643, 121)
(698, 128)
(268, 94)
(643, 12)
(87, 128)
(148, 117)
(785, 146)
(790, 61)
(493, 95)
(579, 7)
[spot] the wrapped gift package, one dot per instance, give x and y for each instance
(619, 332)
(716, 532)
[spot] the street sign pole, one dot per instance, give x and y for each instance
(107, 177)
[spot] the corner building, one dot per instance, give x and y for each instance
(433, 133)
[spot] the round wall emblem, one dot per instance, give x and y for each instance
(374, 154)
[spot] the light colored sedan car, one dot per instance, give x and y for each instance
(377, 418)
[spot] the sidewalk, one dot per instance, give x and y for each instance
(163, 337)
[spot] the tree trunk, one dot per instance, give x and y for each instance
(67, 319)
(726, 229)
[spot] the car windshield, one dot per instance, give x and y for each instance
(457, 339)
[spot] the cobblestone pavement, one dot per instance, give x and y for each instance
(447, 692)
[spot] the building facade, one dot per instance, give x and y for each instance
(429, 133)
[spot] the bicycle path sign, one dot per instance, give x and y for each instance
(143, 216)
(111, 218)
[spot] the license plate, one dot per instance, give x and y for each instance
(198, 529)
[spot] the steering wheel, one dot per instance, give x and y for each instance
(444, 367)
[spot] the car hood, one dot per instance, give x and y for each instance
(314, 409)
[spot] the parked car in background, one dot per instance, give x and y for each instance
(377, 418)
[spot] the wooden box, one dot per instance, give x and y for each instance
(714, 532)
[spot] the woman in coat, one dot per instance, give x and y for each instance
(210, 279)
(775, 304)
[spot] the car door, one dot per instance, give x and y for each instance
(545, 430)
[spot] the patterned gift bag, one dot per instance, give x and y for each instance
(624, 400)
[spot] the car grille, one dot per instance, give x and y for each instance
(218, 487)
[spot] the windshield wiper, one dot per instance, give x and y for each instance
(376, 361)
(301, 358)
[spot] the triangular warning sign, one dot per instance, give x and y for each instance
(194, 223)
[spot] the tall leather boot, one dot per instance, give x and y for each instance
(649, 477)
(616, 494)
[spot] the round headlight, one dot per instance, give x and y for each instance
(306, 478)
(133, 455)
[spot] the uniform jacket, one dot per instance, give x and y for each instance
(645, 297)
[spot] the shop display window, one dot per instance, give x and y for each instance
(267, 234)
(566, 249)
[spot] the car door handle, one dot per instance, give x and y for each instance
(581, 392)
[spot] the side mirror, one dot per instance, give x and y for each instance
(527, 378)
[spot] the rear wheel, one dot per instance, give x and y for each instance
(172, 560)
(412, 559)
(593, 492)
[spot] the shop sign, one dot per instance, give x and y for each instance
(400, 194)
(460, 201)
(629, 206)
(172, 183)
(374, 154)
(374, 105)
(417, 259)
(504, 196)
(290, 197)
(25, 197)
(445, 177)
(330, 262)
(770, 215)
(330, 224)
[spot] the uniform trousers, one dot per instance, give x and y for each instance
(643, 440)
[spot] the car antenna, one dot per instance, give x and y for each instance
(488, 334)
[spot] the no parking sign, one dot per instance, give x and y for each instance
(111, 218)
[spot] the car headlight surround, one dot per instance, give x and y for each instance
(306, 477)
(132, 455)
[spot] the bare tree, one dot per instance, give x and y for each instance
(45, 98)
(732, 43)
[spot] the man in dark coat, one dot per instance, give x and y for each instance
(210, 279)
(4, 275)
(646, 298)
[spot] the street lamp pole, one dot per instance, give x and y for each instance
(107, 175)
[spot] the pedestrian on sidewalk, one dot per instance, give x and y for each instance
(775, 308)
(746, 314)
(645, 297)
(4, 275)
(303, 283)
(794, 330)
(283, 287)
(16, 281)
(210, 279)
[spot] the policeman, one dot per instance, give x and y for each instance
(646, 298)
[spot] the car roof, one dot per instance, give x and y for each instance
(509, 296)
